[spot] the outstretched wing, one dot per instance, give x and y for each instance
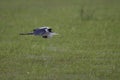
(39, 31)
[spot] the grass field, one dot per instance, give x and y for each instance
(88, 47)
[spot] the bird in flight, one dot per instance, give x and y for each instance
(45, 32)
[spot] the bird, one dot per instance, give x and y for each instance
(44, 32)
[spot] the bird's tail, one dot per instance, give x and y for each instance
(26, 33)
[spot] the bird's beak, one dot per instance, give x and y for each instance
(54, 33)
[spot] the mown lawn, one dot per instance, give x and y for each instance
(87, 47)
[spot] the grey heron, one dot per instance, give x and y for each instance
(45, 32)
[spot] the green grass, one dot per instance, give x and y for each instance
(88, 47)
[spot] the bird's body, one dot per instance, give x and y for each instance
(45, 32)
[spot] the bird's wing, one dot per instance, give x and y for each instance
(39, 31)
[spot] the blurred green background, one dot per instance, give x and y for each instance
(87, 47)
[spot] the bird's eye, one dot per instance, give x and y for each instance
(50, 30)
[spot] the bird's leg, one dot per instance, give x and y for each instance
(44, 36)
